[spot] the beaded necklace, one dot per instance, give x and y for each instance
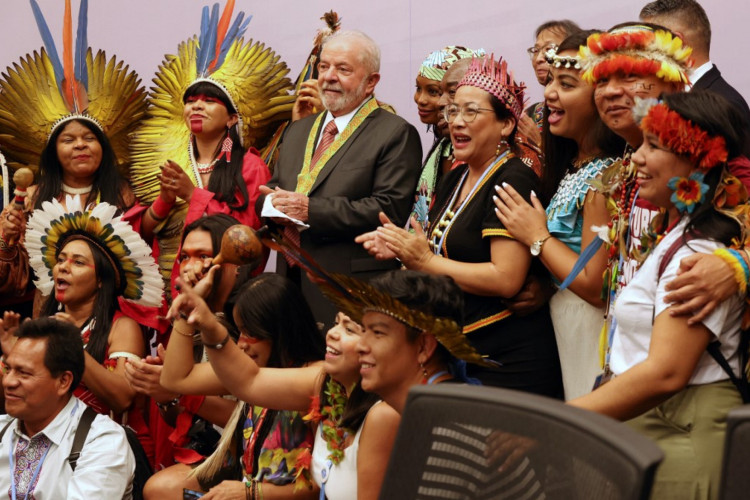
(451, 211)
(74, 191)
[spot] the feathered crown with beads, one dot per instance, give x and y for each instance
(636, 50)
(53, 226)
(42, 92)
(680, 134)
(487, 74)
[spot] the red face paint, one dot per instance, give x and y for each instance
(196, 125)
(204, 98)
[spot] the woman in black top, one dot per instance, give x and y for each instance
(468, 243)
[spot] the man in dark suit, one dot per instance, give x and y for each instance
(689, 20)
(337, 178)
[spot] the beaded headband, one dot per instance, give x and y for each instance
(437, 63)
(638, 50)
(679, 134)
(566, 62)
(494, 77)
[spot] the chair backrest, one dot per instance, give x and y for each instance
(735, 479)
(453, 439)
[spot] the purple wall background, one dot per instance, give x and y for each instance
(141, 31)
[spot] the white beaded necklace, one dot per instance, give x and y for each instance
(74, 191)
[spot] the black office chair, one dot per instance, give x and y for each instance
(453, 438)
(735, 479)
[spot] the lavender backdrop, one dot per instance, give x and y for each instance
(142, 31)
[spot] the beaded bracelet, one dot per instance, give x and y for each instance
(184, 334)
(737, 263)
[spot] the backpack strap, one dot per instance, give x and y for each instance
(2, 432)
(84, 425)
(740, 382)
(672, 250)
(713, 348)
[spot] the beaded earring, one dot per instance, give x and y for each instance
(424, 373)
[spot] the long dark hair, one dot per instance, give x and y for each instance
(108, 184)
(226, 178)
(559, 152)
(718, 117)
(271, 307)
(105, 304)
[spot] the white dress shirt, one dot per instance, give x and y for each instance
(697, 73)
(104, 469)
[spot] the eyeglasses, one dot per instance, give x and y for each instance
(469, 113)
(533, 51)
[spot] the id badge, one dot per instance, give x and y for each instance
(603, 378)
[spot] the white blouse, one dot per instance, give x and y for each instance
(642, 300)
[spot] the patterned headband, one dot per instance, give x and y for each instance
(437, 63)
(494, 77)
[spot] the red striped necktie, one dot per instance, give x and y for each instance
(329, 134)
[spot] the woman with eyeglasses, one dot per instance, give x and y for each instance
(547, 36)
(468, 243)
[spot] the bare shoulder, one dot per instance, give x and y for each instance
(381, 419)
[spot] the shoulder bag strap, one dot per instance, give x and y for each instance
(84, 425)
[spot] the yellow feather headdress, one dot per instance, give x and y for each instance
(250, 74)
(638, 50)
(40, 93)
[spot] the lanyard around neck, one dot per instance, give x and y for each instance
(13, 471)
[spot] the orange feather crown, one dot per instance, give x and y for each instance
(636, 50)
(681, 135)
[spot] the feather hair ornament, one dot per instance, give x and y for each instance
(355, 298)
(638, 50)
(42, 92)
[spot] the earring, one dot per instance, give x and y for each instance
(424, 373)
(501, 146)
(226, 148)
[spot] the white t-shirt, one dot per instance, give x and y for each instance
(642, 300)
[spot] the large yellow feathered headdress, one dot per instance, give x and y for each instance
(40, 93)
(250, 74)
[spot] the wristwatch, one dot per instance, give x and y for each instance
(536, 247)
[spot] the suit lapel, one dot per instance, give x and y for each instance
(708, 79)
(334, 161)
